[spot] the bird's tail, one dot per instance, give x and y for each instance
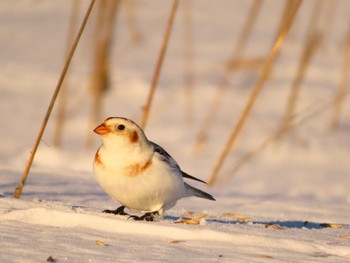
(192, 191)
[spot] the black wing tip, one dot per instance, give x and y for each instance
(210, 197)
(199, 193)
(186, 175)
(205, 195)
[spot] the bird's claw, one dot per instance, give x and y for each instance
(149, 217)
(118, 211)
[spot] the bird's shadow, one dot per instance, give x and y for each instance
(292, 224)
(279, 224)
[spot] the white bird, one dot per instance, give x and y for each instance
(138, 173)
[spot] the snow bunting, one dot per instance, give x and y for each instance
(138, 173)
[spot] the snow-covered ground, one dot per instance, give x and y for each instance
(291, 203)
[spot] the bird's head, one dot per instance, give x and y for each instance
(118, 131)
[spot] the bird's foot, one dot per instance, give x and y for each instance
(118, 211)
(146, 217)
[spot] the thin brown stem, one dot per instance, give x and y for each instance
(310, 114)
(247, 29)
(131, 22)
(225, 79)
(331, 9)
(188, 59)
(159, 64)
(343, 84)
(313, 39)
(100, 81)
(308, 52)
(313, 25)
(255, 92)
(19, 188)
(61, 112)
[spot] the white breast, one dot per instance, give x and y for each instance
(154, 188)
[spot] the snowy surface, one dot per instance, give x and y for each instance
(273, 209)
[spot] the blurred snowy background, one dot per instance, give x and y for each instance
(303, 176)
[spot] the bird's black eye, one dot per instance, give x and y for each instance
(121, 127)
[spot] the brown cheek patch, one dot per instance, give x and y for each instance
(98, 160)
(133, 137)
(137, 169)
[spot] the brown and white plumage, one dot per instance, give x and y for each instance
(136, 172)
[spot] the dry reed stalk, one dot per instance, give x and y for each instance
(314, 19)
(343, 84)
(247, 63)
(101, 71)
(61, 112)
(255, 92)
(188, 59)
(98, 82)
(276, 136)
(330, 17)
(159, 64)
(131, 21)
(288, 4)
(19, 188)
(224, 81)
(246, 30)
(313, 39)
(308, 52)
(124, 47)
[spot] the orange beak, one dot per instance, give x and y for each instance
(101, 129)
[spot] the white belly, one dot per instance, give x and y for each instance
(153, 190)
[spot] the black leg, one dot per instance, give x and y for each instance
(146, 217)
(118, 211)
